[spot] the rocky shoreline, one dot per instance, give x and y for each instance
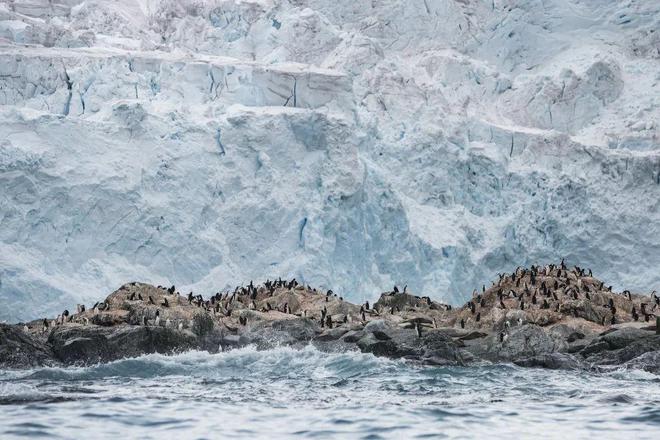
(544, 316)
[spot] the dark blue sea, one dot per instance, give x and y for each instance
(287, 394)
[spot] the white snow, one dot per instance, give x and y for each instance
(351, 144)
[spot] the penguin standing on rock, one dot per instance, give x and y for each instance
(418, 329)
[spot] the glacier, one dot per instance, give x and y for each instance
(350, 144)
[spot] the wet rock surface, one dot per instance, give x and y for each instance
(545, 317)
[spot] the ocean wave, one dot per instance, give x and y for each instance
(246, 361)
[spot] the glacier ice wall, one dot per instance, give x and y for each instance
(351, 144)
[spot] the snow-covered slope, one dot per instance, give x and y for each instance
(352, 144)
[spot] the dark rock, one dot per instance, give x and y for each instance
(553, 361)
(353, 336)
(369, 344)
(648, 362)
(439, 349)
(80, 345)
(526, 341)
(331, 334)
(381, 336)
(594, 347)
(473, 335)
(625, 336)
(19, 349)
(86, 345)
(202, 324)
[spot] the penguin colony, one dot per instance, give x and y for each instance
(539, 294)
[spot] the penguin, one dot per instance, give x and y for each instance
(328, 321)
(396, 289)
(131, 297)
(462, 323)
(151, 300)
(634, 314)
(507, 325)
(520, 321)
(418, 329)
(405, 288)
(345, 319)
(501, 337)
(473, 308)
(144, 320)
(364, 319)
(478, 316)
(165, 303)
(157, 320)
(366, 305)
(168, 323)
(180, 327)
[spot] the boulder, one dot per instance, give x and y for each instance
(552, 361)
(648, 362)
(21, 349)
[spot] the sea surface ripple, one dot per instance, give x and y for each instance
(306, 393)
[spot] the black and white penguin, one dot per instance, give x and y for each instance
(157, 320)
(165, 303)
(418, 329)
(462, 323)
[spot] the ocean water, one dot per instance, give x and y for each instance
(288, 393)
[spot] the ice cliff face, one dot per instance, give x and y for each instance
(351, 144)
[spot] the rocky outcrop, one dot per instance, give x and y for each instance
(20, 349)
(548, 317)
